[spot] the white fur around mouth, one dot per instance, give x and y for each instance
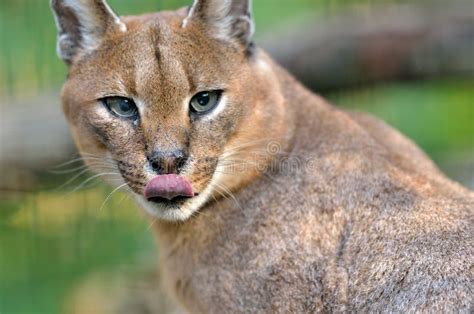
(186, 210)
(163, 212)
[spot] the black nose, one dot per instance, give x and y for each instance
(167, 162)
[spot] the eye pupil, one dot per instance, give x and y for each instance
(203, 99)
(125, 106)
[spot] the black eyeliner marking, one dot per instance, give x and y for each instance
(101, 135)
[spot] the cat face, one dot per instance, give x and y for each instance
(172, 100)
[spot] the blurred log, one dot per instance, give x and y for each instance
(34, 137)
(362, 46)
(371, 44)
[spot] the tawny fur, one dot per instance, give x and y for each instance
(359, 220)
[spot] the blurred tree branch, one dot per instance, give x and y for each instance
(381, 43)
(363, 46)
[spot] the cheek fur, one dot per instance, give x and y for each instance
(120, 139)
(132, 172)
(115, 133)
(217, 127)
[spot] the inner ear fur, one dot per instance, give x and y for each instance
(228, 20)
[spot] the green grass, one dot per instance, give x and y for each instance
(50, 242)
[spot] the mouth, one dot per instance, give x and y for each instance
(169, 190)
(177, 201)
(170, 198)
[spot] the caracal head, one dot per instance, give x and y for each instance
(170, 105)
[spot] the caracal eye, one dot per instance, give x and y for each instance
(204, 102)
(121, 107)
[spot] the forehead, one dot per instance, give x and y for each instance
(156, 56)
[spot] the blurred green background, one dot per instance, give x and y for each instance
(52, 239)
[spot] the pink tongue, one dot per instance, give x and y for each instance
(169, 187)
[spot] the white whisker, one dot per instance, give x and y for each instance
(95, 177)
(71, 179)
(152, 224)
(111, 193)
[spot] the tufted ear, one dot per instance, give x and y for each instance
(227, 20)
(81, 25)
